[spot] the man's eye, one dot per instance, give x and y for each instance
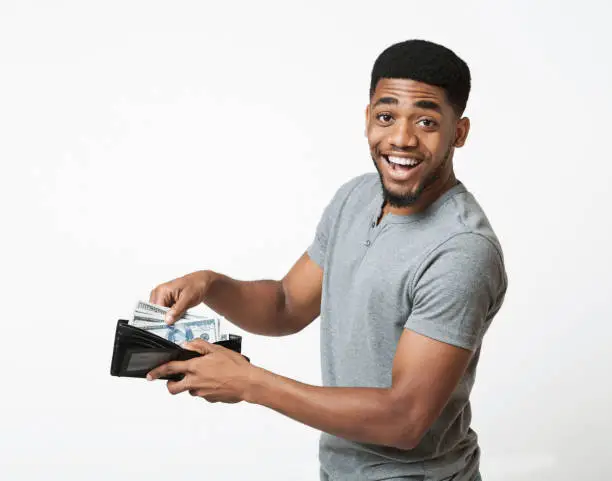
(430, 123)
(385, 118)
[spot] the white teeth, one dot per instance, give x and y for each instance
(403, 161)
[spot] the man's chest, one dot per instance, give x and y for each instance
(367, 294)
(369, 262)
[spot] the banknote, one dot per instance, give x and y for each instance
(188, 327)
(183, 331)
(155, 319)
(158, 312)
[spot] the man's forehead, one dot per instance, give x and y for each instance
(407, 90)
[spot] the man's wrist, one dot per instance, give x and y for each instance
(210, 279)
(256, 383)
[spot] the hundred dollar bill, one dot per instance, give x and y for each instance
(184, 331)
(157, 313)
(154, 318)
(147, 306)
(146, 313)
(139, 320)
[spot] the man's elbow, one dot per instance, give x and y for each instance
(408, 426)
(405, 439)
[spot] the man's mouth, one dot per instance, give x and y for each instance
(406, 162)
(400, 168)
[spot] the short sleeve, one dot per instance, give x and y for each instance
(317, 250)
(457, 290)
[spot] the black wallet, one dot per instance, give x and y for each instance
(137, 351)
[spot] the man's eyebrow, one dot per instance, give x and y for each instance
(386, 100)
(428, 105)
(421, 104)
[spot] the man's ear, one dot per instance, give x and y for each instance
(367, 119)
(461, 132)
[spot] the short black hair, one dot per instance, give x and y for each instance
(426, 62)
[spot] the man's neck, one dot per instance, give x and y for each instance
(427, 197)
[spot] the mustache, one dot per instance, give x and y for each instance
(413, 153)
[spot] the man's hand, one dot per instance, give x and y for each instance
(219, 375)
(182, 293)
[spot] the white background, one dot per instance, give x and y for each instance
(140, 141)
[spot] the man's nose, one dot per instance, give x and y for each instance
(403, 135)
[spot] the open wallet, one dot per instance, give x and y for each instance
(137, 351)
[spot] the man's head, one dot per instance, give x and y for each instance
(418, 93)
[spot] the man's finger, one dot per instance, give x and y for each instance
(179, 307)
(177, 387)
(199, 345)
(160, 296)
(172, 367)
(197, 392)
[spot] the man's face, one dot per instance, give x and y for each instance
(412, 131)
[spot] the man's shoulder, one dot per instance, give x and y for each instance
(354, 191)
(465, 224)
(359, 184)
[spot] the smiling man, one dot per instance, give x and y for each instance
(406, 275)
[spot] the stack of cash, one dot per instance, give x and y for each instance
(150, 317)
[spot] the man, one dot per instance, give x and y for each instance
(406, 275)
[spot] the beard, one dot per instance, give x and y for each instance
(409, 198)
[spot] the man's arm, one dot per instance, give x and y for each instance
(271, 308)
(453, 298)
(425, 373)
(456, 288)
(267, 307)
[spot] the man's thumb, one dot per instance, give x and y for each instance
(199, 345)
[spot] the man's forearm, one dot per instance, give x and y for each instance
(367, 415)
(255, 306)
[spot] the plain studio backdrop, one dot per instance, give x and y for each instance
(141, 141)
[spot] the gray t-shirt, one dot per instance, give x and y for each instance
(440, 273)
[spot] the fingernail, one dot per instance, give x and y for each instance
(149, 377)
(168, 318)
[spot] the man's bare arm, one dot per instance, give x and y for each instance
(425, 373)
(267, 307)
